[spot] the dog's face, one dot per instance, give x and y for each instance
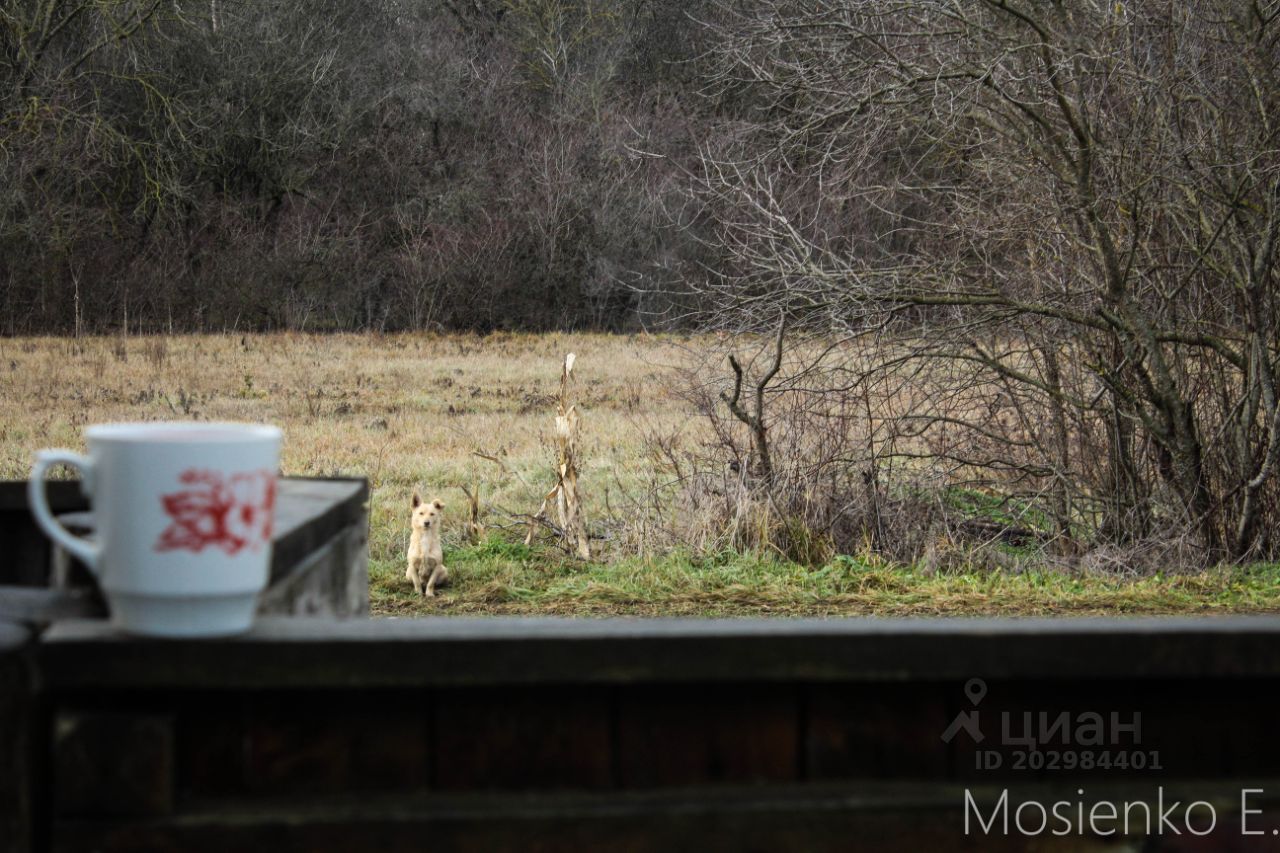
(426, 514)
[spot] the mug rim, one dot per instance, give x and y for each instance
(213, 432)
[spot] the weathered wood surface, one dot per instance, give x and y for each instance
(309, 513)
(551, 734)
(330, 580)
(887, 817)
(25, 552)
(408, 652)
(764, 766)
(112, 764)
(35, 605)
(18, 744)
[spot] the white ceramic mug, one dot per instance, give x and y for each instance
(182, 514)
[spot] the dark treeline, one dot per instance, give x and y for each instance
(384, 164)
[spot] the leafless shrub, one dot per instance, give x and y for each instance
(829, 485)
(1068, 227)
(1163, 553)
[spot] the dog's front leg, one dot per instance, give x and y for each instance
(438, 574)
(415, 574)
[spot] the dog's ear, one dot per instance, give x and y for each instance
(417, 499)
(439, 503)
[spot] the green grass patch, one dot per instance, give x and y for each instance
(500, 577)
(996, 508)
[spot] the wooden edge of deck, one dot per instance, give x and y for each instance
(321, 653)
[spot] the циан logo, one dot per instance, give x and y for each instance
(976, 690)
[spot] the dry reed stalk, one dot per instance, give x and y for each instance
(565, 492)
(475, 528)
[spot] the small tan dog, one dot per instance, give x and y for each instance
(426, 557)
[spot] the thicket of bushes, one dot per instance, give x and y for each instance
(1038, 247)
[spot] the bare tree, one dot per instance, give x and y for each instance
(1068, 211)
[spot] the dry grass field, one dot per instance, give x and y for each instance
(415, 410)
(403, 411)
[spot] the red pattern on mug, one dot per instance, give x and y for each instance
(231, 513)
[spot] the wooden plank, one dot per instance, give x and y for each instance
(308, 514)
(887, 818)
(689, 735)
(32, 605)
(282, 652)
(113, 764)
(522, 738)
(17, 747)
(331, 581)
(330, 744)
(64, 496)
(801, 830)
(26, 550)
(272, 744)
(211, 745)
(877, 730)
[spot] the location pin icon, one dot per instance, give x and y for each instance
(976, 690)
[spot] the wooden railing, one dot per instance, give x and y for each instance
(637, 735)
(633, 735)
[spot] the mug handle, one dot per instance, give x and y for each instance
(87, 552)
